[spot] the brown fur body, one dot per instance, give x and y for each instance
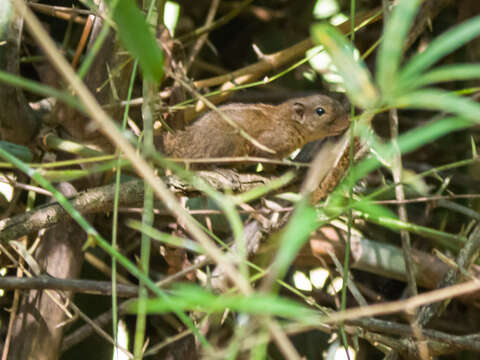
(282, 128)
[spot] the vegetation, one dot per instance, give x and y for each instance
(108, 248)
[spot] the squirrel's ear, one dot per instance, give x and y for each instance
(298, 111)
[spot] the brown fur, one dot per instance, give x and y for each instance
(282, 128)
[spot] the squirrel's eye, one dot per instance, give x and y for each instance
(320, 111)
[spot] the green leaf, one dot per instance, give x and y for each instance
(368, 207)
(40, 89)
(441, 46)
(391, 49)
(164, 237)
(443, 74)
(189, 297)
(407, 142)
(19, 151)
(434, 99)
(296, 233)
(430, 132)
(137, 38)
(357, 79)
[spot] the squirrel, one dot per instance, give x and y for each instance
(281, 128)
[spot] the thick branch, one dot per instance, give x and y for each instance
(131, 194)
(43, 282)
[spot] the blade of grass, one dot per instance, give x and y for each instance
(435, 99)
(449, 241)
(357, 79)
(292, 238)
(391, 49)
(73, 174)
(118, 174)
(40, 89)
(443, 74)
(409, 141)
(137, 38)
(441, 46)
(164, 237)
(196, 298)
(150, 89)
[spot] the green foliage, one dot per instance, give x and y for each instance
(440, 47)
(187, 297)
(391, 48)
(358, 81)
(19, 151)
(404, 87)
(293, 237)
(137, 38)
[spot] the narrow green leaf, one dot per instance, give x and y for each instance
(441, 238)
(368, 207)
(441, 46)
(434, 99)
(19, 151)
(294, 236)
(357, 79)
(407, 142)
(164, 237)
(414, 139)
(194, 298)
(40, 89)
(137, 38)
(445, 73)
(391, 48)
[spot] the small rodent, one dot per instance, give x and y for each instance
(282, 128)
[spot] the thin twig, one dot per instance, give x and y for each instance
(222, 21)
(397, 170)
(203, 38)
(42, 282)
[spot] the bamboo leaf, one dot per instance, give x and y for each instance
(441, 46)
(195, 298)
(357, 79)
(407, 142)
(434, 99)
(391, 48)
(296, 233)
(443, 74)
(137, 38)
(19, 151)
(368, 207)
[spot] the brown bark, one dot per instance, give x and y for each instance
(17, 122)
(36, 331)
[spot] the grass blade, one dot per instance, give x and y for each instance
(137, 38)
(391, 48)
(434, 99)
(356, 77)
(443, 74)
(441, 46)
(294, 236)
(193, 297)
(409, 141)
